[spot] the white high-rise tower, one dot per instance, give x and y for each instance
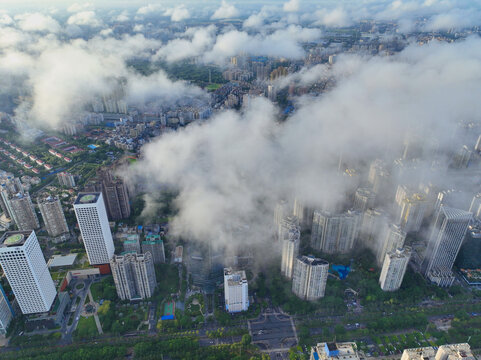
(291, 235)
(94, 227)
(27, 272)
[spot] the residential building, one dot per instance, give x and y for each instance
(448, 232)
(66, 179)
(154, 244)
(26, 270)
(236, 290)
(134, 276)
(475, 207)
(390, 239)
(310, 277)
(94, 227)
(290, 240)
(335, 233)
(364, 199)
(444, 352)
(394, 268)
(23, 212)
(334, 351)
(6, 312)
(410, 208)
(53, 216)
(131, 242)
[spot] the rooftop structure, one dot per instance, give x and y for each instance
(335, 351)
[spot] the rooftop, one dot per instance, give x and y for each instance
(87, 198)
(14, 238)
(61, 260)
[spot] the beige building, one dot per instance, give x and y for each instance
(334, 351)
(394, 268)
(444, 352)
(310, 277)
(53, 216)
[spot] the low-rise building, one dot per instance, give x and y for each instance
(334, 351)
(236, 290)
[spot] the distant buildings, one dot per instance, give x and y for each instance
(134, 276)
(66, 179)
(94, 227)
(448, 231)
(236, 291)
(290, 240)
(411, 207)
(23, 212)
(53, 216)
(394, 268)
(26, 270)
(114, 192)
(6, 312)
(154, 245)
(334, 351)
(444, 352)
(335, 233)
(310, 277)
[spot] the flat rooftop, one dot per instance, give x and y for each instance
(61, 260)
(14, 238)
(87, 198)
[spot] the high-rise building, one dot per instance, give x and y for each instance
(291, 237)
(131, 242)
(26, 271)
(6, 312)
(410, 211)
(94, 227)
(310, 277)
(280, 212)
(391, 239)
(378, 176)
(236, 290)
(154, 244)
(444, 352)
(364, 199)
(394, 268)
(475, 207)
(335, 233)
(134, 275)
(302, 213)
(66, 179)
(53, 217)
(448, 231)
(335, 351)
(23, 212)
(114, 192)
(285, 225)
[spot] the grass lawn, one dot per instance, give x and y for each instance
(86, 328)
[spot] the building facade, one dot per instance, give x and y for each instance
(236, 290)
(66, 179)
(391, 239)
(94, 227)
(26, 270)
(394, 268)
(6, 312)
(53, 216)
(310, 277)
(334, 351)
(291, 238)
(154, 244)
(23, 212)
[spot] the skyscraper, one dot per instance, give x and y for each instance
(302, 213)
(154, 244)
(411, 208)
(6, 312)
(94, 227)
(236, 290)
(448, 231)
(378, 176)
(394, 268)
(26, 271)
(53, 217)
(475, 207)
(280, 212)
(391, 239)
(114, 192)
(364, 199)
(23, 212)
(335, 233)
(291, 237)
(310, 277)
(134, 275)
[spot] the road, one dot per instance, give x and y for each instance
(67, 331)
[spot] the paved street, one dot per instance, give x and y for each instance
(67, 331)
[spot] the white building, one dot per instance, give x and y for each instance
(291, 238)
(364, 199)
(444, 352)
(6, 312)
(26, 271)
(236, 290)
(448, 231)
(94, 227)
(394, 268)
(310, 277)
(334, 351)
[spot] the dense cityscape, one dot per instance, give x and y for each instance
(240, 180)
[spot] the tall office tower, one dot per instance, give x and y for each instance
(134, 276)
(335, 233)
(310, 277)
(391, 239)
(23, 212)
(291, 238)
(280, 212)
(53, 217)
(236, 290)
(475, 206)
(364, 199)
(114, 192)
(26, 271)
(302, 213)
(6, 312)
(394, 268)
(448, 231)
(410, 212)
(154, 244)
(66, 179)
(378, 176)
(94, 227)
